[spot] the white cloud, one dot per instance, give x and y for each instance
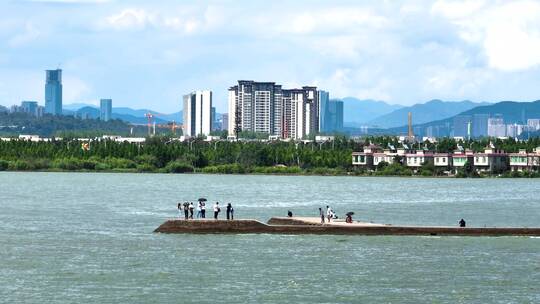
(70, 1)
(29, 34)
(509, 33)
(331, 20)
(139, 19)
(401, 52)
(130, 18)
(74, 88)
(457, 9)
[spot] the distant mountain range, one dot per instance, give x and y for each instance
(358, 112)
(423, 112)
(134, 116)
(512, 112)
(379, 115)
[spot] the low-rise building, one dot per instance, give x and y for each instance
(366, 157)
(442, 160)
(417, 159)
(460, 158)
(519, 161)
(491, 160)
(383, 157)
(524, 161)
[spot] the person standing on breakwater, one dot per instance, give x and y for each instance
(191, 208)
(462, 223)
(203, 209)
(329, 213)
(186, 210)
(230, 212)
(321, 214)
(216, 210)
(199, 205)
(179, 207)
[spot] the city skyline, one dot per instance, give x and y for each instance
(402, 53)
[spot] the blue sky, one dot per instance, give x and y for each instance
(147, 54)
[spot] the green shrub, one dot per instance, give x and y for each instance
(145, 168)
(19, 165)
(4, 165)
(40, 164)
(225, 169)
(178, 167)
(102, 167)
(147, 159)
(120, 163)
(68, 164)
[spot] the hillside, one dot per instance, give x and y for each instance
(134, 116)
(358, 112)
(512, 111)
(423, 113)
(48, 125)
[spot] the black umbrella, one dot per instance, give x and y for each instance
(202, 199)
(349, 214)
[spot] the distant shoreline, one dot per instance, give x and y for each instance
(307, 173)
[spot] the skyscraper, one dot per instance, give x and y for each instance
(213, 118)
(480, 125)
(224, 121)
(324, 111)
(461, 126)
(105, 109)
(336, 111)
(300, 113)
(30, 107)
(330, 113)
(197, 113)
(53, 92)
(265, 107)
(496, 126)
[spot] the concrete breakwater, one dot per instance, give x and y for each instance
(301, 226)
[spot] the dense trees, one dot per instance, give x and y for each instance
(166, 155)
(163, 154)
(12, 124)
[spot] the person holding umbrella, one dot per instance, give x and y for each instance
(202, 204)
(348, 217)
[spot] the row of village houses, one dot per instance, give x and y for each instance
(489, 161)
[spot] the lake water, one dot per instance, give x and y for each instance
(87, 238)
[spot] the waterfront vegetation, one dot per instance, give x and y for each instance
(165, 155)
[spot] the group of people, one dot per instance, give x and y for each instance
(187, 209)
(329, 214)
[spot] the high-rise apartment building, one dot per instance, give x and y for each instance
(496, 127)
(105, 109)
(533, 124)
(514, 130)
(30, 107)
(265, 107)
(197, 113)
(324, 111)
(213, 118)
(330, 113)
(480, 125)
(224, 121)
(462, 124)
(53, 92)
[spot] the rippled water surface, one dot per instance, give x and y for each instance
(87, 238)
